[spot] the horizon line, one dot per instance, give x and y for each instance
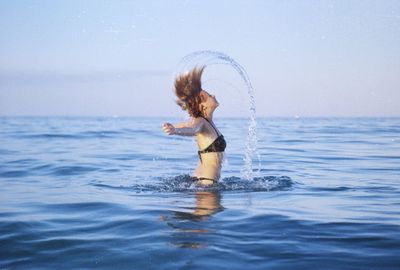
(223, 117)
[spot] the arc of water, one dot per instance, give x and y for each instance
(208, 57)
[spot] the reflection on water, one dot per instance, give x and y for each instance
(207, 204)
(188, 227)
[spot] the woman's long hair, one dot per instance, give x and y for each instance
(187, 89)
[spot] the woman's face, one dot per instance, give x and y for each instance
(208, 101)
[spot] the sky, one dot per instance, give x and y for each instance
(118, 58)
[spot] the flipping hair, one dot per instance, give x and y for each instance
(187, 89)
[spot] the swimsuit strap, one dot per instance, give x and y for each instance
(212, 126)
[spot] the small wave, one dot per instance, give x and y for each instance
(330, 189)
(22, 161)
(7, 152)
(184, 183)
(14, 173)
(49, 136)
(73, 136)
(100, 134)
(81, 206)
(49, 169)
(71, 170)
(372, 188)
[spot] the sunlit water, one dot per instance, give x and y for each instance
(114, 193)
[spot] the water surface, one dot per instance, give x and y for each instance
(109, 193)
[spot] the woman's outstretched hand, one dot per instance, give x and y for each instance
(169, 129)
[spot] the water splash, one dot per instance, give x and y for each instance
(208, 58)
(185, 183)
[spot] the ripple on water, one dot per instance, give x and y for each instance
(74, 230)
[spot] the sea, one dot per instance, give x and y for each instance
(115, 193)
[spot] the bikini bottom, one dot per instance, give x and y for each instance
(196, 179)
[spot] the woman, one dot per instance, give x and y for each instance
(200, 105)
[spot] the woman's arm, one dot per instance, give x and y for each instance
(181, 125)
(190, 128)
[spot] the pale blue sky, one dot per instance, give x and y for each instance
(305, 58)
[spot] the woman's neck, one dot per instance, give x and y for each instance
(209, 115)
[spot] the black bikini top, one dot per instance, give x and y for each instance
(218, 145)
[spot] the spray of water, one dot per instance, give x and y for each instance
(208, 58)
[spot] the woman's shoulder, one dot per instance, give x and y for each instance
(198, 121)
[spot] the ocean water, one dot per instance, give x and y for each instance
(113, 193)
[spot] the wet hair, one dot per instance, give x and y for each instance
(187, 89)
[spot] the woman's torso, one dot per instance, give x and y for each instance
(210, 162)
